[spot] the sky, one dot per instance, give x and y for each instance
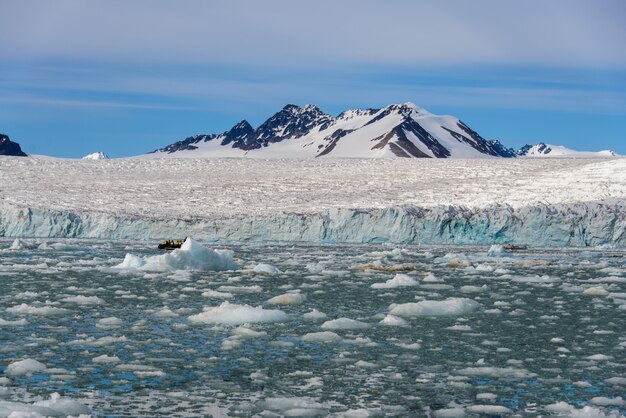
(127, 77)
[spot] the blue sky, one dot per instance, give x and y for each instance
(128, 77)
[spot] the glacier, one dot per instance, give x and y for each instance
(535, 202)
(575, 224)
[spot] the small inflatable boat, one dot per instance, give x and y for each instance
(170, 245)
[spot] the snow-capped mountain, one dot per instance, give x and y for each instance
(8, 147)
(398, 130)
(96, 156)
(542, 150)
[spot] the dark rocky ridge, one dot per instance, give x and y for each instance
(8, 147)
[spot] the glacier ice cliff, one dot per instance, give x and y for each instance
(567, 224)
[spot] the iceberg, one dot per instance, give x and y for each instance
(190, 256)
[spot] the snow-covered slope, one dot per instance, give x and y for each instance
(525, 201)
(404, 130)
(96, 156)
(542, 150)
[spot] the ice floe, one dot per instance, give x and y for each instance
(233, 314)
(450, 306)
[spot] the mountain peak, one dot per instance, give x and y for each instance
(397, 130)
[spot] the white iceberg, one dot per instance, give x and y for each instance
(190, 256)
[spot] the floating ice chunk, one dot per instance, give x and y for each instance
(314, 315)
(399, 280)
(191, 256)
(360, 413)
(37, 310)
(20, 244)
(109, 323)
(287, 299)
(83, 300)
(485, 268)
(98, 342)
(458, 327)
(458, 412)
(496, 372)
(240, 289)
(410, 346)
(536, 279)
(599, 357)
(16, 323)
(26, 366)
(563, 409)
(344, 323)
(556, 340)
(217, 295)
(431, 278)
(393, 320)
(265, 268)
(104, 359)
(296, 407)
(487, 396)
(165, 312)
(617, 381)
(232, 314)
(245, 332)
(474, 289)
(497, 250)
(450, 306)
(595, 291)
(64, 406)
(489, 409)
(603, 401)
(365, 364)
(321, 337)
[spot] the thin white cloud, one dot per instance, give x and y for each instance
(282, 33)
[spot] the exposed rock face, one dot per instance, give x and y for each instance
(8, 147)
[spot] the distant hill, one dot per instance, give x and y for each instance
(96, 156)
(542, 150)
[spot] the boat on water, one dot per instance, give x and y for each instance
(170, 244)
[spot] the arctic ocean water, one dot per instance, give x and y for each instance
(312, 330)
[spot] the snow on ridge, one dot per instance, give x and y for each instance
(543, 150)
(96, 156)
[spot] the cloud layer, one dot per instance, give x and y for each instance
(564, 33)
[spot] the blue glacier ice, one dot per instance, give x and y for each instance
(572, 224)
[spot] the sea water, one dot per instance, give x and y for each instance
(313, 330)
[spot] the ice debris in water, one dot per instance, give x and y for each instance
(496, 250)
(26, 366)
(450, 306)
(265, 268)
(344, 323)
(37, 310)
(392, 320)
(399, 280)
(563, 409)
(54, 407)
(191, 256)
(232, 314)
(321, 337)
(83, 300)
(287, 299)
